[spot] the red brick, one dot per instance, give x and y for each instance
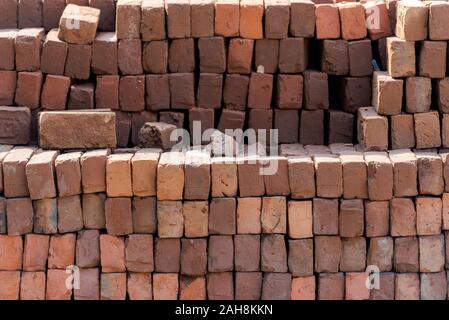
(406, 286)
(251, 14)
(140, 286)
(9, 19)
(170, 169)
(248, 285)
(155, 57)
(222, 216)
(227, 13)
(302, 21)
(406, 254)
(132, 93)
(181, 56)
(139, 253)
(327, 21)
(56, 285)
(144, 215)
(353, 254)
(182, 91)
(260, 91)
(167, 254)
(240, 56)
(267, 55)
(28, 89)
(380, 253)
(352, 17)
(93, 171)
(196, 223)
(412, 19)
(303, 288)
(220, 286)
(112, 250)
(19, 214)
(88, 248)
(105, 54)
(402, 131)
(40, 171)
(7, 91)
(351, 218)
(273, 253)
(355, 286)
(400, 57)
(170, 219)
(129, 55)
(11, 248)
(276, 286)
(54, 92)
(386, 287)
(152, 25)
(377, 218)
(192, 288)
(325, 216)
(113, 286)
(127, 23)
(81, 96)
(32, 286)
(118, 216)
(107, 16)
(194, 257)
(158, 92)
(327, 253)
(277, 16)
(247, 252)
(54, 53)
(10, 280)
(431, 253)
(209, 93)
(165, 286)
(300, 257)
(7, 39)
(178, 19)
(377, 20)
(28, 46)
(70, 214)
(61, 252)
(311, 127)
(331, 286)
(78, 61)
(212, 55)
(289, 91)
(35, 252)
(89, 285)
(301, 177)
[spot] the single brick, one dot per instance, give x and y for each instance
(170, 219)
(112, 250)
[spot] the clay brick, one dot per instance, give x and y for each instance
(19, 216)
(192, 288)
(78, 24)
(40, 171)
(335, 57)
(139, 253)
(412, 19)
(202, 14)
(380, 253)
(231, 119)
(51, 13)
(380, 176)
(32, 286)
(112, 250)
(431, 253)
(251, 183)
(407, 286)
(251, 14)
(7, 55)
(78, 61)
(170, 176)
(260, 91)
(209, 91)
(276, 286)
(386, 287)
(287, 124)
(170, 219)
(445, 131)
(402, 131)
(144, 169)
(427, 130)
(128, 16)
(14, 172)
(360, 56)
(327, 21)
(181, 56)
(16, 125)
(248, 285)
(152, 26)
(93, 171)
(61, 252)
(293, 56)
(352, 18)
(351, 218)
(202, 118)
(433, 286)
(273, 253)
(329, 176)
(28, 89)
(377, 218)
(212, 55)
(7, 91)
(165, 286)
(417, 94)
(144, 214)
(438, 27)
(267, 55)
(220, 286)
(35, 252)
(167, 254)
(331, 286)
(300, 219)
(302, 18)
(353, 254)
(222, 216)
(354, 176)
(139, 286)
(300, 257)
(193, 257)
(227, 14)
(327, 253)
(105, 54)
(353, 93)
(377, 20)
(301, 177)
(316, 91)
(89, 285)
(70, 214)
(155, 56)
(107, 16)
(403, 217)
(10, 285)
(223, 177)
(289, 91)
(275, 174)
(428, 216)
(430, 174)
(274, 216)
(27, 49)
(68, 172)
(56, 285)
(132, 93)
(11, 248)
(372, 129)
(220, 254)
(88, 248)
(406, 254)
(247, 252)
(9, 19)
(182, 90)
(113, 286)
(118, 175)
(240, 54)
(432, 59)
(53, 55)
(387, 94)
(235, 91)
(405, 173)
(158, 92)
(81, 96)
(196, 223)
(178, 19)
(355, 286)
(118, 216)
(445, 212)
(325, 216)
(248, 216)
(45, 216)
(303, 288)
(54, 92)
(400, 57)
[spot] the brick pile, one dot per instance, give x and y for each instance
(152, 225)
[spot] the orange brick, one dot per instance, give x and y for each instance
(352, 17)
(113, 286)
(32, 286)
(170, 176)
(251, 14)
(327, 21)
(192, 288)
(11, 249)
(14, 172)
(68, 173)
(165, 286)
(70, 214)
(140, 286)
(303, 288)
(223, 177)
(144, 168)
(10, 280)
(355, 285)
(329, 176)
(170, 219)
(118, 175)
(196, 219)
(300, 219)
(227, 15)
(35, 253)
(118, 216)
(61, 252)
(56, 285)
(112, 250)
(93, 170)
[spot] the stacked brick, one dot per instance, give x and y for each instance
(152, 225)
(292, 65)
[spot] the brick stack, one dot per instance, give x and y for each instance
(152, 225)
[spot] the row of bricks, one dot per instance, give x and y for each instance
(175, 91)
(221, 253)
(221, 286)
(194, 175)
(253, 19)
(226, 216)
